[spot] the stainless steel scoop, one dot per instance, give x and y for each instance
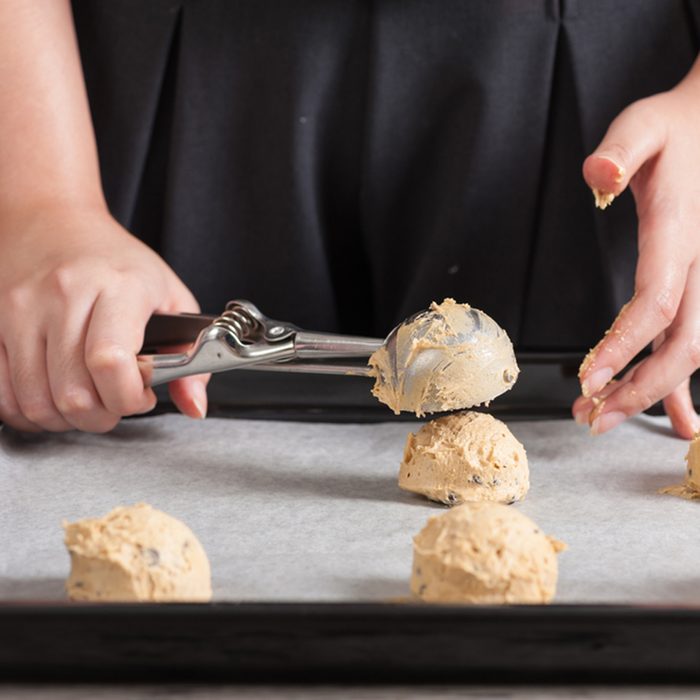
(244, 338)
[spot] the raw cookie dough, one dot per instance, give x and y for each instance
(136, 553)
(444, 359)
(602, 199)
(484, 553)
(691, 488)
(465, 456)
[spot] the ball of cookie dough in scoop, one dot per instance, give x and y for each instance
(484, 553)
(136, 553)
(465, 456)
(447, 358)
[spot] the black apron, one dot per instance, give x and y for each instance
(344, 162)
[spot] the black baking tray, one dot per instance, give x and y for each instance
(361, 643)
(354, 642)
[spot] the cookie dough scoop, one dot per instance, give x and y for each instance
(450, 357)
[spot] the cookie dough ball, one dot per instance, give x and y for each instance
(447, 358)
(690, 489)
(136, 553)
(692, 459)
(465, 457)
(484, 553)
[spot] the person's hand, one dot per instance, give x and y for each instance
(654, 147)
(76, 291)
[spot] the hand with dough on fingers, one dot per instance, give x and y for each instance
(653, 147)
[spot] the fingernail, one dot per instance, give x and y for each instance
(596, 381)
(581, 417)
(606, 422)
(199, 399)
(149, 404)
(620, 174)
(582, 411)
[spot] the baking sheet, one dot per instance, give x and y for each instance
(303, 511)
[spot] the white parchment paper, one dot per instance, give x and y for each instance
(301, 511)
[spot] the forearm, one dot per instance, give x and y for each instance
(48, 155)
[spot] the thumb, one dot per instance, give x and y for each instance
(633, 138)
(679, 408)
(679, 403)
(189, 394)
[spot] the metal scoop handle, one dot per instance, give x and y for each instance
(243, 338)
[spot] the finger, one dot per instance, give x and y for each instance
(587, 405)
(10, 413)
(632, 139)
(660, 374)
(30, 383)
(679, 404)
(583, 406)
(114, 336)
(660, 281)
(72, 387)
(190, 395)
(581, 409)
(679, 408)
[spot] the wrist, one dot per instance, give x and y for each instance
(52, 208)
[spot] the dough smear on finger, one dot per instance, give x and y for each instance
(602, 199)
